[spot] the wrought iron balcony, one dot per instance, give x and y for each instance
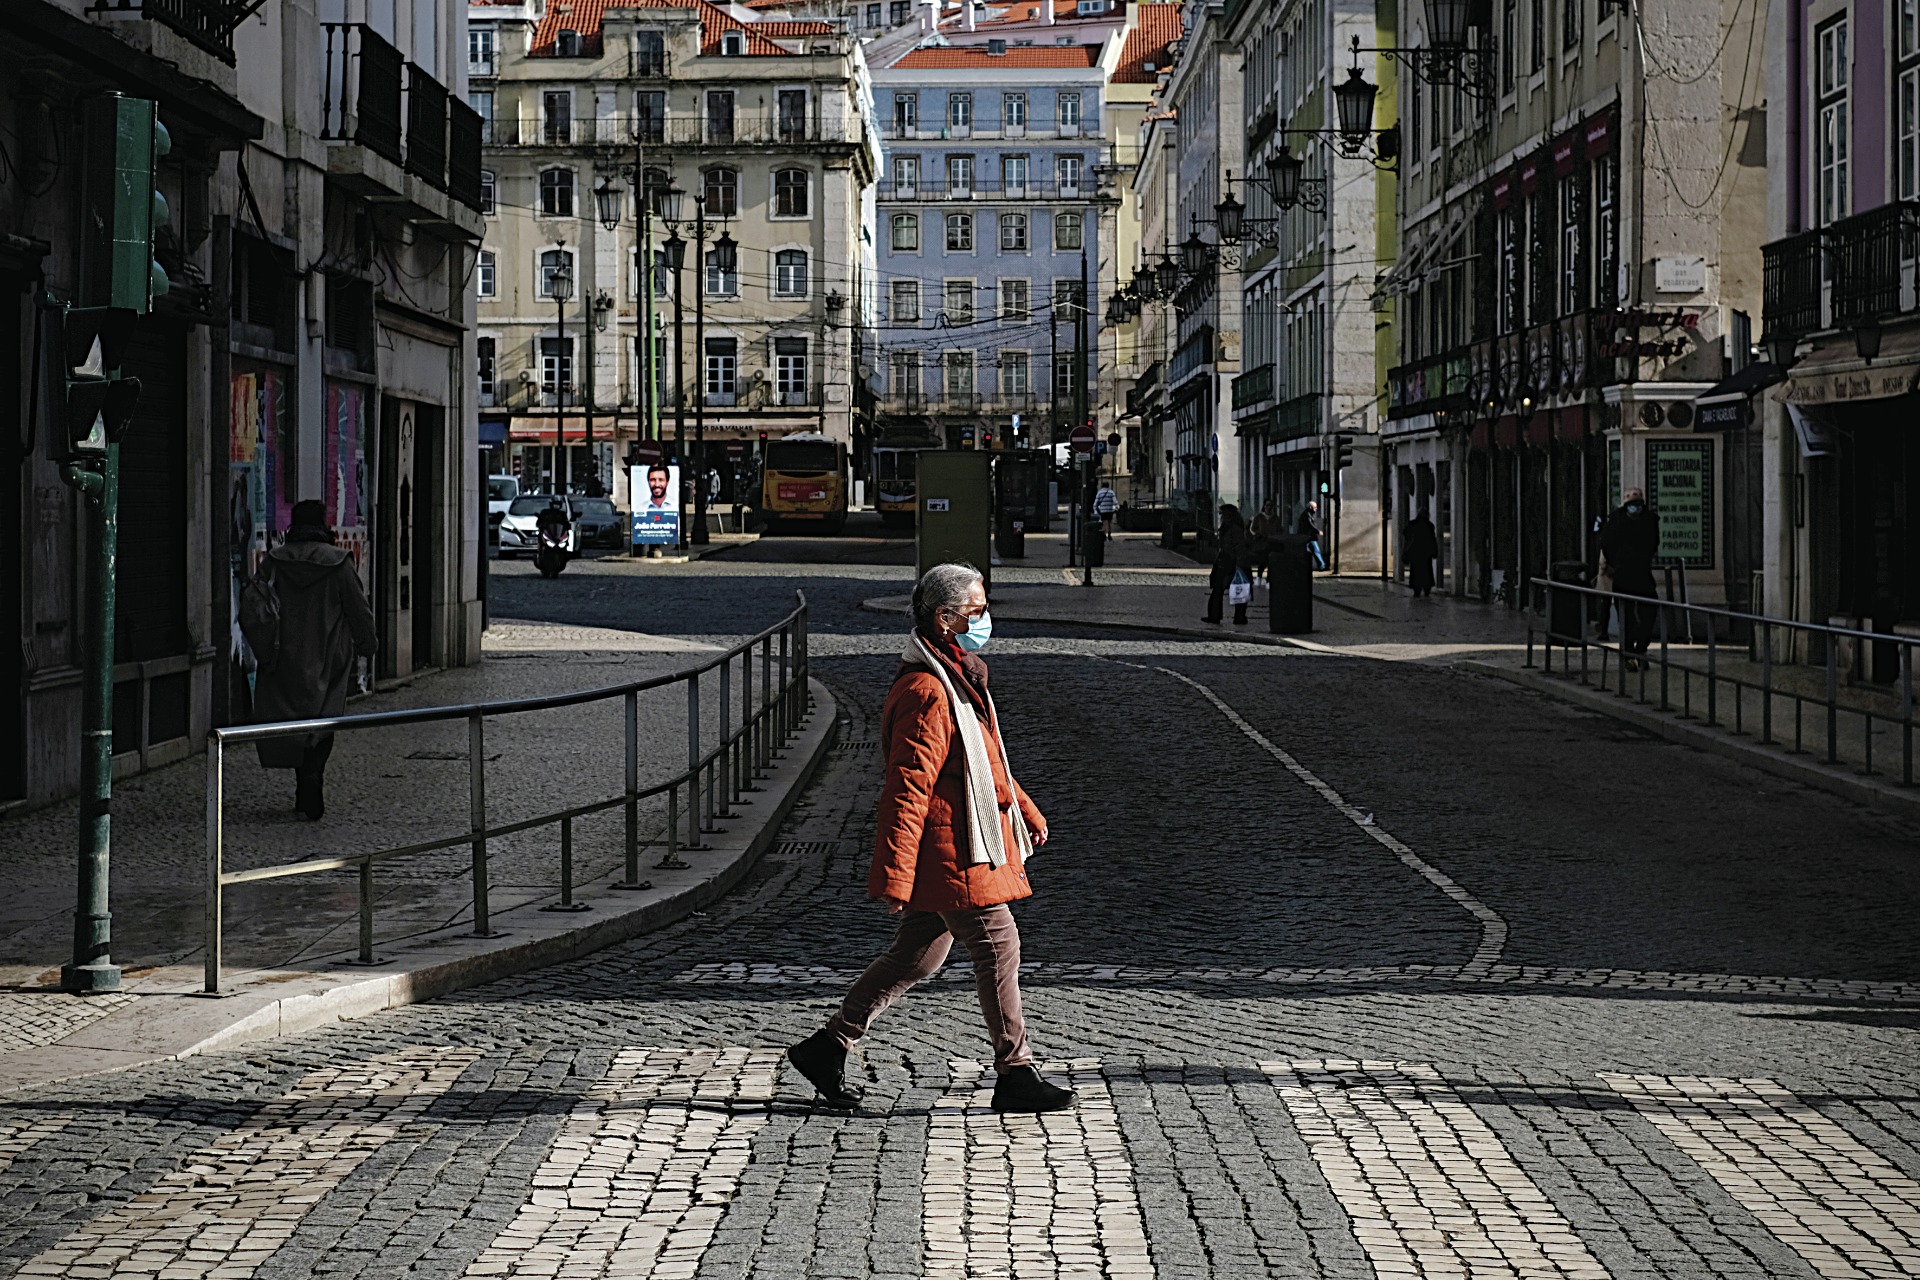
(1791, 271)
(426, 127)
(1870, 257)
(1253, 387)
(207, 24)
(362, 95)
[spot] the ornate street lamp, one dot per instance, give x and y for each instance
(1230, 216)
(1195, 254)
(1167, 272)
(1353, 105)
(606, 199)
(1283, 177)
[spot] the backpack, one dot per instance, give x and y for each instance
(260, 617)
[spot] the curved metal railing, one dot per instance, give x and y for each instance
(712, 783)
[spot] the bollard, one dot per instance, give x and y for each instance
(366, 911)
(216, 836)
(477, 816)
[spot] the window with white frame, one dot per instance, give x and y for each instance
(1509, 32)
(719, 115)
(1833, 142)
(1062, 377)
(790, 273)
(898, 11)
(556, 193)
(723, 272)
(1013, 110)
(722, 370)
(556, 111)
(1573, 243)
(959, 233)
(733, 44)
(1069, 171)
(650, 115)
(1606, 231)
(480, 51)
(790, 369)
(960, 110)
(486, 191)
(873, 17)
(906, 112)
(957, 301)
(1066, 231)
(906, 374)
(1069, 110)
(960, 175)
(1571, 15)
(959, 367)
(485, 274)
(1013, 232)
(1016, 301)
(906, 232)
(481, 100)
(722, 187)
(903, 299)
(1537, 35)
(1906, 100)
(790, 115)
(556, 367)
(906, 176)
(1013, 174)
(551, 260)
(790, 193)
(1015, 370)
(484, 350)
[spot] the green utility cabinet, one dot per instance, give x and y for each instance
(955, 509)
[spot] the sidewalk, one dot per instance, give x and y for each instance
(1146, 589)
(287, 943)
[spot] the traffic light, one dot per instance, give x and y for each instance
(99, 402)
(124, 207)
(1342, 452)
(1326, 482)
(986, 438)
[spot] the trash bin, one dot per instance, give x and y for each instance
(1095, 544)
(1566, 610)
(1011, 538)
(1289, 585)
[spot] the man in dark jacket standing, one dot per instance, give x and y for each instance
(324, 624)
(1422, 547)
(1309, 526)
(1630, 541)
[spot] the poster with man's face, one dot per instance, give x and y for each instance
(653, 488)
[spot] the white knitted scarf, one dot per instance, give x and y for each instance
(983, 804)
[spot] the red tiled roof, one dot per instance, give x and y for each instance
(585, 16)
(1158, 26)
(1060, 55)
(1063, 11)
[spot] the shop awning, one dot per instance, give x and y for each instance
(1728, 404)
(1833, 372)
(493, 431)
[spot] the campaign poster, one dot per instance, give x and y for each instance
(1680, 487)
(654, 489)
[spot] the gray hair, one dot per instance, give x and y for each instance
(941, 587)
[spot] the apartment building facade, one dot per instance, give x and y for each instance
(1842, 321)
(764, 126)
(313, 344)
(1579, 216)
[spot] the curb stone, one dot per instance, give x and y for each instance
(170, 1024)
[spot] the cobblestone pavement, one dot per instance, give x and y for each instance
(1363, 970)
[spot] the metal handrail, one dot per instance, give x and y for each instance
(714, 780)
(1764, 628)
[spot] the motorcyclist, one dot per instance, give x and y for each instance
(553, 520)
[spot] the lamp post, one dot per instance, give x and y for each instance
(560, 287)
(726, 261)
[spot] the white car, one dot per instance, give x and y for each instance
(501, 491)
(520, 527)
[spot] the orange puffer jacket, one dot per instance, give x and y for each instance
(921, 853)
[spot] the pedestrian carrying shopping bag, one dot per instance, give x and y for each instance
(1239, 591)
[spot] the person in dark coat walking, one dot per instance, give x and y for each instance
(1233, 556)
(325, 623)
(1422, 547)
(1309, 526)
(1630, 541)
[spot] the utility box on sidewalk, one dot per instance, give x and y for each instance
(954, 519)
(1290, 585)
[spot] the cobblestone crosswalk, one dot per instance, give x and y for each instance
(639, 1175)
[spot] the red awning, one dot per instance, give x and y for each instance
(1477, 438)
(1571, 424)
(1539, 429)
(1565, 147)
(1503, 190)
(1529, 175)
(540, 431)
(1506, 431)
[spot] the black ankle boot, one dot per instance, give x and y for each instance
(824, 1063)
(1022, 1089)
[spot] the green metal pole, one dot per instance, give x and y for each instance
(652, 400)
(92, 969)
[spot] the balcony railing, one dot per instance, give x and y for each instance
(207, 24)
(1871, 259)
(1194, 353)
(686, 131)
(1790, 283)
(426, 127)
(362, 98)
(939, 190)
(647, 64)
(1253, 387)
(1296, 418)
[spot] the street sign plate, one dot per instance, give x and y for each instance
(1083, 439)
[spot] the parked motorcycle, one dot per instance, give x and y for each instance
(556, 548)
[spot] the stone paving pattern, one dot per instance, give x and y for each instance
(1201, 911)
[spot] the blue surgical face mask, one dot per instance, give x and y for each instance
(979, 631)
